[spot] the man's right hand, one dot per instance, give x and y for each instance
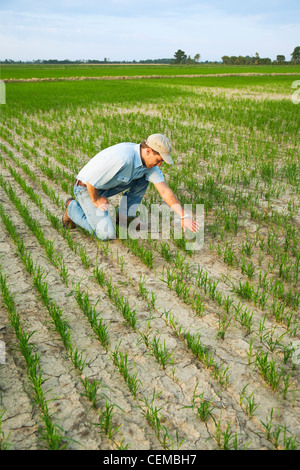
(102, 203)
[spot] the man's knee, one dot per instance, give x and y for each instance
(105, 229)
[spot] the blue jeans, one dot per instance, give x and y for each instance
(99, 223)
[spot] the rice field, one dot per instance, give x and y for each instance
(141, 343)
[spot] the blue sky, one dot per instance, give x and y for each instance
(132, 29)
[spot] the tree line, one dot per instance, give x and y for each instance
(180, 57)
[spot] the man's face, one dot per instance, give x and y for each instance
(152, 159)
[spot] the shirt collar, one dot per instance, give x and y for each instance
(137, 156)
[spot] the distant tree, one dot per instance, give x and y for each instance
(280, 58)
(225, 59)
(296, 55)
(180, 57)
(197, 57)
(257, 58)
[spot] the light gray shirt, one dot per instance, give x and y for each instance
(118, 166)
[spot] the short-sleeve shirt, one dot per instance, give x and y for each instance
(116, 166)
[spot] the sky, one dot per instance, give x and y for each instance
(142, 29)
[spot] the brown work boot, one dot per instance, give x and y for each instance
(67, 222)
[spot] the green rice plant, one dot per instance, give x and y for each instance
(84, 257)
(227, 439)
(105, 420)
(272, 342)
(182, 289)
(166, 251)
(227, 253)
(221, 374)
(223, 325)
(50, 250)
(145, 337)
(268, 370)
(154, 417)
(202, 406)
(101, 331)
(91, 388)
(290, 442)
(121, 361)
(145, 254)
(268, 425)
(207, 358)
(52, 434)
(227, 303)
(142, 287)
(151, 301)
(244, 316)
(244, 290)
(99, 275)
(61, 326)
(203, 280)
(42, 287)
(128, 313)
(193, 343)
(197, 303)
(120, 261)
(247, 248)
(63, 270)
(78, 359)
(273, 432)
(99, 328)
(248, 401)
(160, 352)
(247, 268)
(286, 384)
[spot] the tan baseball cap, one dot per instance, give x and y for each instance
(161, 144)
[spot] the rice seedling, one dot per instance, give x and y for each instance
(154, 417)
(91, 392)
(160, 352)
(97, 323)
(51, 434)
(106, 415)
(99, 275)
(79, 360)
(268, 369)
(202, 407)
(223, 325)
(121, 361)
(249, 402)
(227, 439)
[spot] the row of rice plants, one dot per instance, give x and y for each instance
(198, 349)
(52, 434)
(98, 327)
(212, 289)
(135, 243)
(78, 359)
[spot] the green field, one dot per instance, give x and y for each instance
(57, 71)
(141, 343)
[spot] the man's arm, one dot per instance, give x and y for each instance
(169, 197)
(100, 202)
